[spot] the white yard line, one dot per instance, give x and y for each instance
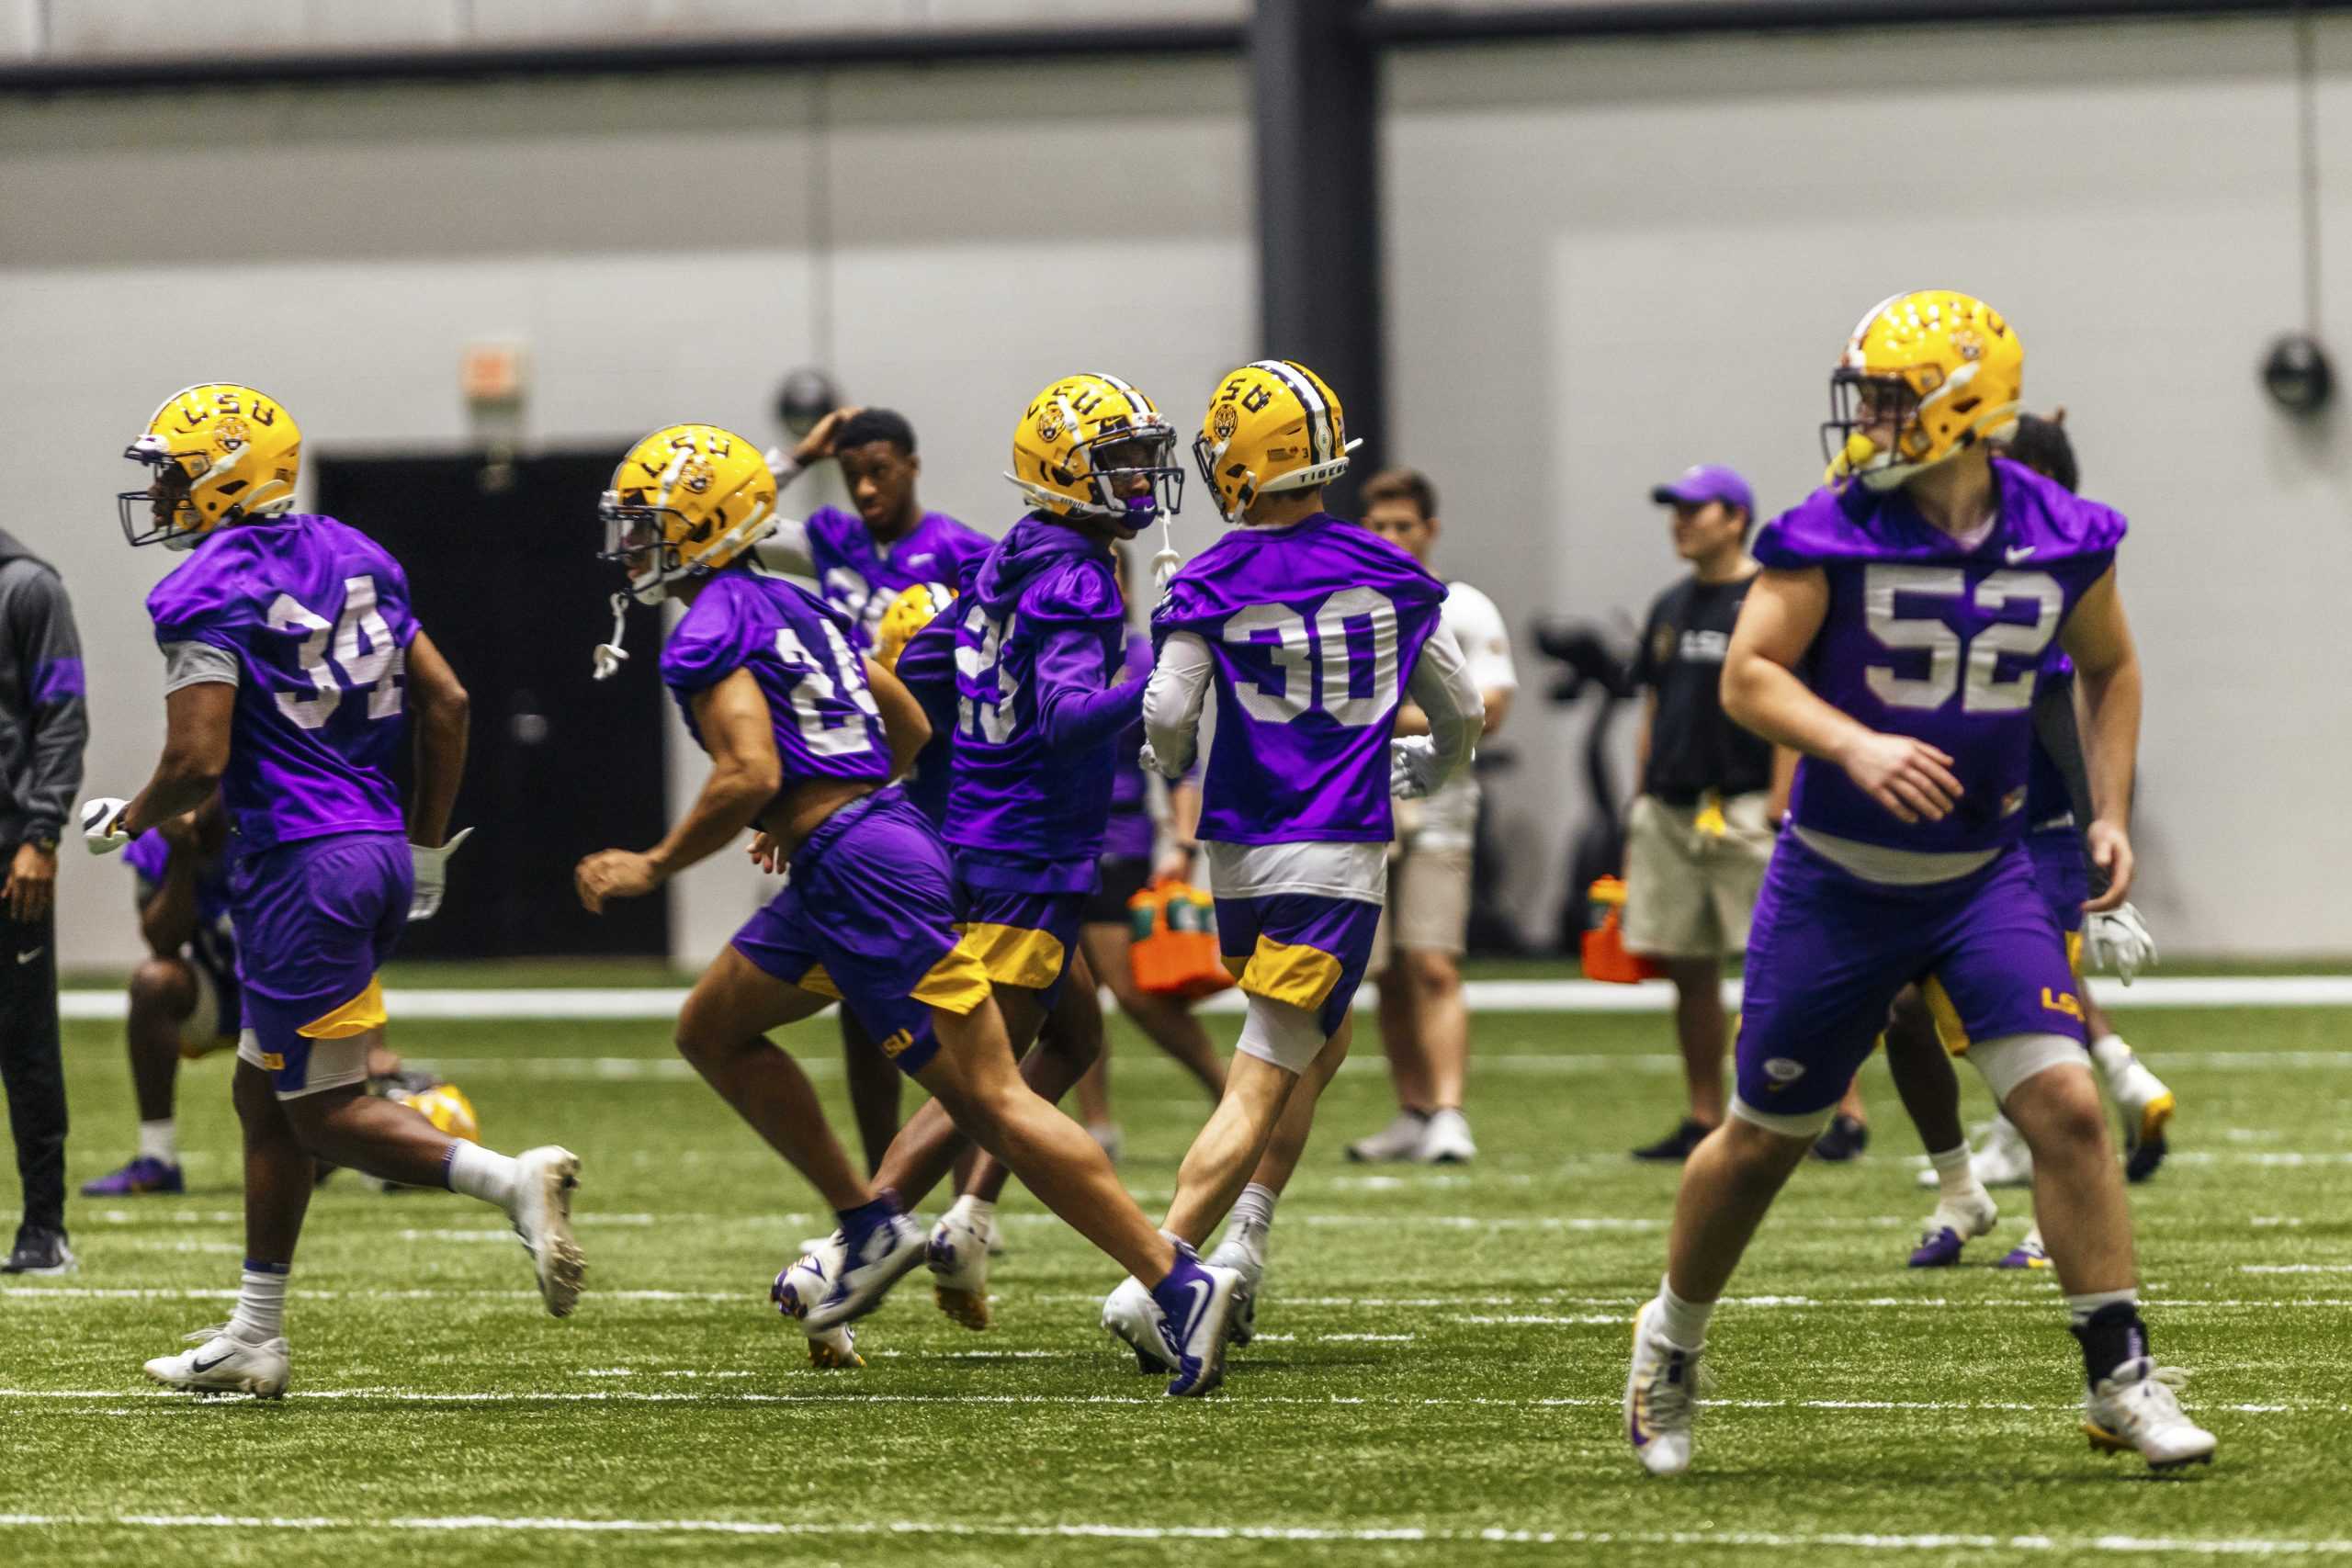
(1491, 996)
(1365, 1535)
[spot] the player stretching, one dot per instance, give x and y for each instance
(290, 661)
(1311, 629)
(1921, 595)
(804, 736)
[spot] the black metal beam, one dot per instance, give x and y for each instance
(1314, 91)
(880, 47)
(1409, 25)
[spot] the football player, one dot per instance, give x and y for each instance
(291, 663)
(1920, 592)
(804, 736)
(863, 561)
(1312, 630)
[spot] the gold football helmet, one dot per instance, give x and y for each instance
(1925, 376)
(912, 610)
(220, 453)
(1083, 438)
(1272, 425)
(687, 500)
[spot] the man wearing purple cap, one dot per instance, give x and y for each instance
(1712, 794)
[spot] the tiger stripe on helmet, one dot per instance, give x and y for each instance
(1318, 413)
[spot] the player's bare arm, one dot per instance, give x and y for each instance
(196, 753)
(438, 700)
(2098, 638)
(1782, 615)
(903, 721)
(745, 775)
(168, 920)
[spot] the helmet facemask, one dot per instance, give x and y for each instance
(635, 533)
(1145, 454)
(165, 511)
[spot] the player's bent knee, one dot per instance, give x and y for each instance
(2014, 1059)
(162, 987)
(1750, 1127)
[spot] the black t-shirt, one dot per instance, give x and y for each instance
(1693, 747)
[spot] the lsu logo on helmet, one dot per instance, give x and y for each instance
(219, 453)
(1089, 440)
(1925, 376)
(687, 500)
(1271, 426)
(908, 613)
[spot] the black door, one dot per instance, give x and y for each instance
(505, 578)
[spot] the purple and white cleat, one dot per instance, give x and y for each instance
(1198, 1301)
(880, 1246)
(143, 1176)
(2027, 1254)
(1955, 1222)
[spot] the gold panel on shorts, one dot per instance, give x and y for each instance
(1291, 972)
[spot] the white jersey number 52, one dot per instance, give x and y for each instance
(1315, 660)
(1984, 689)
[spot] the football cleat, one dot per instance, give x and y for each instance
(835, 1349)
(2135, 1410)
(142, 1176)
(1133, 1318)
(1243, 1252)
(1197, 1316)
(1955, 1222)
(2004, 1161)
(2027, 1254)
(40, 1250)
(544, 1181)
(957, 1252)
(222, 1364)
(1676, 1146)
(1661, 1395)
(874, 1258)
(1446, 1141)
(1396, 1141)
(2147, 1106)
(1842, 1141)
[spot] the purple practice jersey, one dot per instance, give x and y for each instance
(1129, 835)
(1928, 639)
(860, 577)
(1039, 630)
(797, 649)
(315, 617)
(1313, 629)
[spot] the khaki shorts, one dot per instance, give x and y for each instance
(1689, 893)
(1428, 905)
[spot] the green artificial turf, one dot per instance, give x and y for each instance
(1436, 1381)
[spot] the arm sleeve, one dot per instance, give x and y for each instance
(787, 549)
(197, 664)
(50, 652)
(927, 666)
(1172, 700)
(1075, 709)
(1443, 688)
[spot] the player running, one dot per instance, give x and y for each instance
(804, 736)
(1311, 630)
(291, 660)
(1920, 592)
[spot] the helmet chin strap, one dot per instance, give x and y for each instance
(611, 656)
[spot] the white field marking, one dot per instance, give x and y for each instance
(1492, 1535)
(653, 1003)
(2295, 1268)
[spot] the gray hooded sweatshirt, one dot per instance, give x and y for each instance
(44, 714)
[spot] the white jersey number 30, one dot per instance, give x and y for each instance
(1316, 660)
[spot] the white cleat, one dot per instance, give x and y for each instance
(1245, 1255)
(2147, 1106)
(1133, 1318)
(2005, 1161)
(1396, 1141)
(221, 1364)
(544, 1183)
(1661, 1395)
(958, 1253)
(1955, 1222)
(1446, 1140)
(2136, 1411)
(831, 1348)
(870, 1264)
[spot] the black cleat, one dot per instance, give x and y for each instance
(1676, 1146)
(40, 1250)
(1841, 1141)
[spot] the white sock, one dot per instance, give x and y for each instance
(260, 1316)
(2113, 1057)
(482, 1173)
(1254, 1210)
(1952, 1172)
(160, 1140)
(2080, 1308)
(1684, 1324)
(977, 1213)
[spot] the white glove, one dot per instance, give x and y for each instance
(1412, 767)
(2118, 942)
(102, 825)
(431, 874)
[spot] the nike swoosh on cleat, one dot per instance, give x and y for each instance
(197, 1366)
